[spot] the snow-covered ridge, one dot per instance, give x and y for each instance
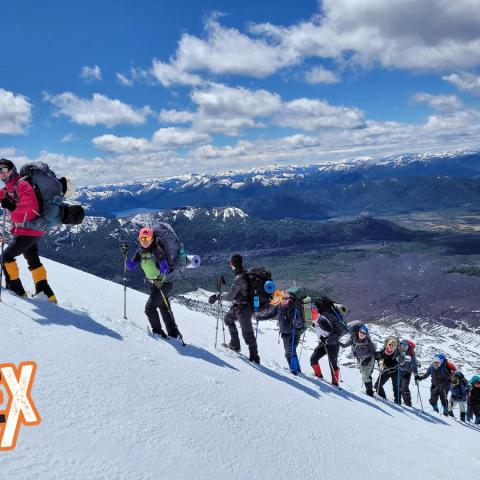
(117, 403)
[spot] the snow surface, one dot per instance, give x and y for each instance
(118, 404)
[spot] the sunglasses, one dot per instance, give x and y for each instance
(146, 239)
(361, 332)
(4, 169)
(391, 345)
(285, 299)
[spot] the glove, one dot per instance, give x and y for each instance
(159, 281)
(124, 248)
(378, 355)
(417, 378)
(213, 298)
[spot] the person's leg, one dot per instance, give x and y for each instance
(317, 354)
(151, 310)
(245, 320)
(366, 370)
(332, 352)
(166, 311)
(39, 274)
(434, 394)
(20, 244)
(229, 319)
(405, 387)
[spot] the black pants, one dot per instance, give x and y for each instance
(287, 344)
(243, 315)
(26, 245)
(439, 391)
(383, 379)
(321, 350)
(156, 302)
(405, 388)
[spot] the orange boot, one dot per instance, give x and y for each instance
(12, 278)
(39, 275)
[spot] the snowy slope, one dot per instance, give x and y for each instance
(119, 404)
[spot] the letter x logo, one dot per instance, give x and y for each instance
(20, 406)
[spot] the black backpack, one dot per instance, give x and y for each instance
(166, 238)
(256, 277)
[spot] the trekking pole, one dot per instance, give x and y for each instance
(220, 282)
(301, 347)
(379, 380)
(4, 219)
(125, 246)
(219, 291)
(418, 395)
(398, 384)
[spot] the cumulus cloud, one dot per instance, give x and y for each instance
(91, 74)
(438, 102)
(15, 113)
(227, 110)
(99, 110)
(69, 137)
(162, 139)
(427, 35)
(319, 74)
(465, 81)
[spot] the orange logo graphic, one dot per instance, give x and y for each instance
(20, 407)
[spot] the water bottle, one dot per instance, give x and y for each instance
(256, 302)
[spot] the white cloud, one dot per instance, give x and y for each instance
(162, 139)
(171, 73)
(319, 74)
(438, 102)
(91, 74)
(177, 137)
(69, 137)
(426, 35)
(176, 116)
(99, 110)
(15, 113)
(115, 144)
(465, 81)
(7, 152)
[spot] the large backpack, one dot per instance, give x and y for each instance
(303, 302)
(256, 277)
(50, 195)
(328, 308)
(166, 238)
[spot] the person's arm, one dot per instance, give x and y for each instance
(133, 262)
(268, 314)
(235, 289)
(27, 200)
(424, 376)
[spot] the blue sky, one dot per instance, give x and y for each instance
(116, 90)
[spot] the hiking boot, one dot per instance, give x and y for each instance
(450, 414)
(39, 276)
(231, 347)
(445, 411)
(435, 407)
(462, 416)
(369, 387)
(159, 331)
(255, 358)
(317, 371)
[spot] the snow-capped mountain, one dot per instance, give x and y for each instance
(117, 403)
(392, 184)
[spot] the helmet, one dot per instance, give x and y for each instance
(145, 232)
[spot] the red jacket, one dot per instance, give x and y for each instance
(27, 206)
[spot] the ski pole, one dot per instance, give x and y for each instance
(398, 384)
(4, 219)
(418, 395)
(216, 328)
(379, 380)
(301, 347)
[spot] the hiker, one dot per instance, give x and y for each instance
(363, 350)
(389, 359)
(240, 310)
(291, 323)
(458, 394)
(441, 371)
(329, 327)
(473, 400)
(157, 256)
(408, 365)
(20, 199)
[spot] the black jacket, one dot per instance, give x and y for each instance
(289, 318)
